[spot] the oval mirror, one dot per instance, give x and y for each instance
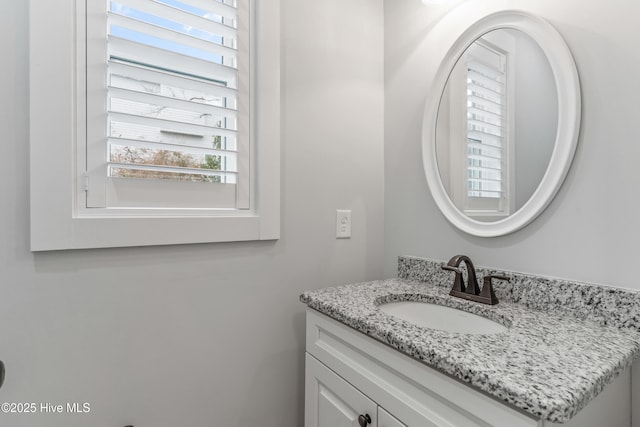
(500, 138)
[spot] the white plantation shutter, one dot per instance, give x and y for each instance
(171, 129)
(486, 182)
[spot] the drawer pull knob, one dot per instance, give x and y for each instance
(364, 420)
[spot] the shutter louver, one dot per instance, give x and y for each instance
(172, 90)
(486, 85)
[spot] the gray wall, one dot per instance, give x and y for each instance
(201, 335)
(536, 116)
(590, 231)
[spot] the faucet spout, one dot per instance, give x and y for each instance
(472, 286)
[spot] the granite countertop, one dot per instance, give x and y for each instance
(547, 363)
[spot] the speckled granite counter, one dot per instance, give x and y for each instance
(547, 363)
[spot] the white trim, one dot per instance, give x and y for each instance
(635, 393)
(56, 130)
(448, 39)
(267, 126)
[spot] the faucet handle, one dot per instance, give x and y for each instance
(487, 287)
(458, 284)
(497, 277)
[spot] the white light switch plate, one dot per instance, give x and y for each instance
(343, 224)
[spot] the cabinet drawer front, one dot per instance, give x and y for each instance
(420, 396)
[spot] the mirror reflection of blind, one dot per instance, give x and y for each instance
(486, 89)
(173, 90)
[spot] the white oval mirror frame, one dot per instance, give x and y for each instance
(569, 109)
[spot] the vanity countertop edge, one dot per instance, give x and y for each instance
(549, 365)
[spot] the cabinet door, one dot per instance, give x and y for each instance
(385, 419)
(330, 401)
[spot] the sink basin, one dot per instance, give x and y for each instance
(442, 318)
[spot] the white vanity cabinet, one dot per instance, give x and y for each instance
(349, 374)
(385, 419)
(333, 402)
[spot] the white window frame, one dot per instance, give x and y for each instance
(57, 118)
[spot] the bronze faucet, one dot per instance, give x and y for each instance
(471, 290)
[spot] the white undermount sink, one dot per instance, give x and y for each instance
(442, 318)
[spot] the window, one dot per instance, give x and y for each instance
(480, 122)
(172, 71)
(155, 138)
(487, 189)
